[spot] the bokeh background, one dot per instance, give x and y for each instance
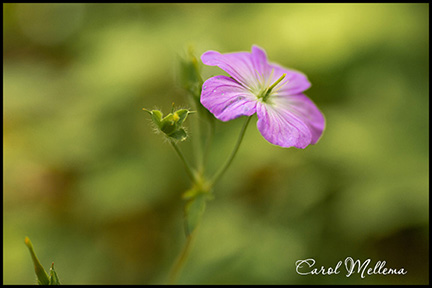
(99, 194)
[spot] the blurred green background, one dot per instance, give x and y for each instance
(98, 193)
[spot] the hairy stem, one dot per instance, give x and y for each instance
(188, 168)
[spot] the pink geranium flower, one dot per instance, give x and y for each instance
(286, 117)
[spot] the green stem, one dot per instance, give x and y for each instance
(181, 259)
(209, 140)
(223, 169)
(189, 169)
(200, 149)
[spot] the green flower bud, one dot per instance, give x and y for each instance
(190, 74)
(172, 124)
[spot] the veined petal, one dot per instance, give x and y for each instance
(306, 110)
(238, 65)
(260, 63)
(294, 82)
(292, 121)
(226, 99)
(281, 127)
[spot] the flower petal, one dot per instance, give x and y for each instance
(238, 65)
(260, 63)
(304, 108)
(226, 99)
(294, 82)
(292, 121)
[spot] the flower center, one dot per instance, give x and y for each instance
(264, 95)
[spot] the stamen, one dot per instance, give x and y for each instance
(260, 78)
(267, 92)
(269, 77)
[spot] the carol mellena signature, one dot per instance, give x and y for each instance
(351, 266)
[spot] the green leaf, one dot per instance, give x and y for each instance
(194, 209)
(39, 270)
(54, 280)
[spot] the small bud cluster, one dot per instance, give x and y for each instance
(172, 124)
